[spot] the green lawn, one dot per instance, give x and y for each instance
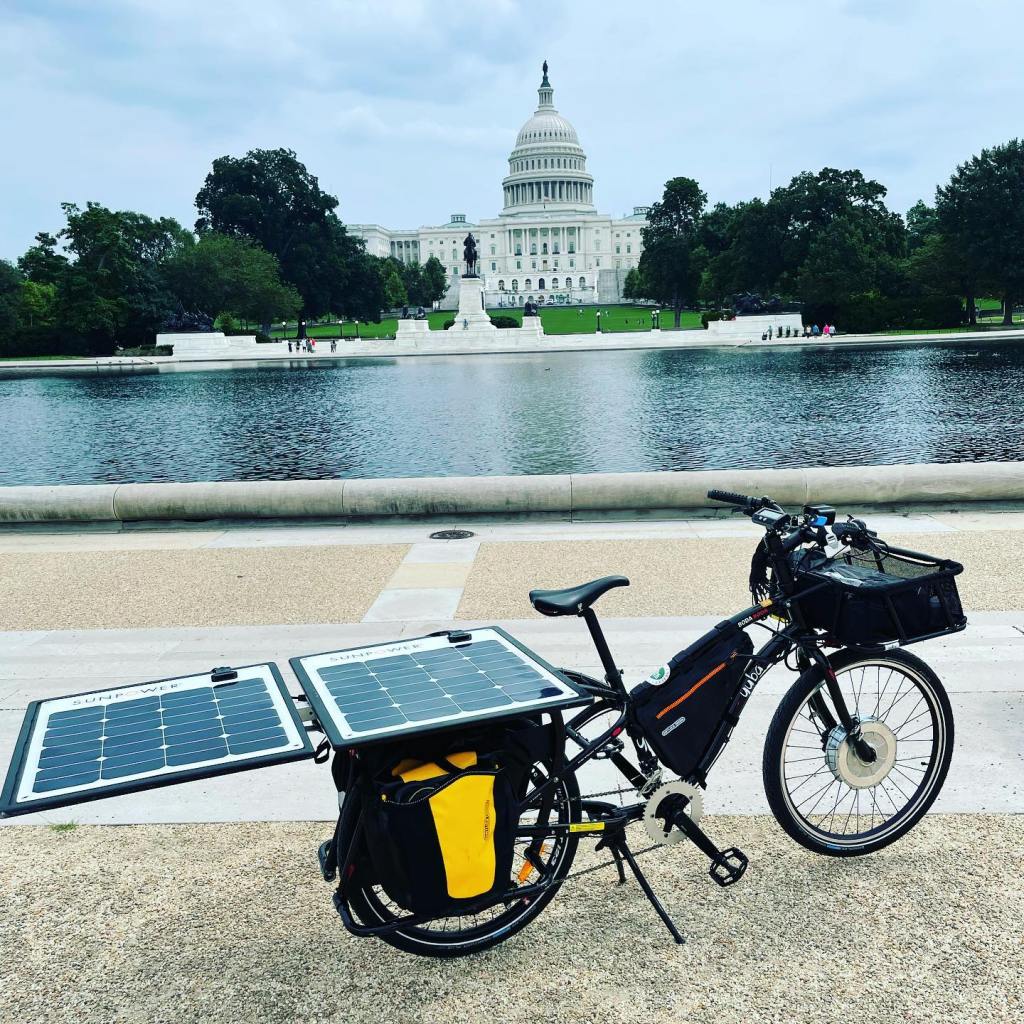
(556, 320)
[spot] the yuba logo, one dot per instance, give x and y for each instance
(488, 814)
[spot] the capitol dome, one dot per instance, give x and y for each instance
(547, 168)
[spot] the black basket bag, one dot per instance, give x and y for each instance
(681, 713)
(879, 598)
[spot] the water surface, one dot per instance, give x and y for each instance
(558, 413)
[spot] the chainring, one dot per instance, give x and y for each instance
(656, 826)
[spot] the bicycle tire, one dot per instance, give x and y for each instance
(900, 824)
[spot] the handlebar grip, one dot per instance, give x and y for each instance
(731, 497)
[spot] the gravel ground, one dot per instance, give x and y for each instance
(708, 575)
(230, 923)
(198, 587)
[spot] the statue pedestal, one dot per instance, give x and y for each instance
(472, 316)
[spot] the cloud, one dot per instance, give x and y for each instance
(406, 110)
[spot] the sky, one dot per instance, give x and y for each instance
(406, 110)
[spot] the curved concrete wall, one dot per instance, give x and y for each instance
(567, 494)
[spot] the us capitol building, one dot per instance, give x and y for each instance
(548, 244)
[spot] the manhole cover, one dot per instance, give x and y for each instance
(452, 535)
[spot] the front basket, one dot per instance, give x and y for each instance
(869, 599)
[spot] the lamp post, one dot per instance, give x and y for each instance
(599, 321)
(357, 329)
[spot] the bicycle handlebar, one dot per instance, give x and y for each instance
(732, 498)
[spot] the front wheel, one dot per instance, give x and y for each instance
(820, 791)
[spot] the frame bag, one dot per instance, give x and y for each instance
(680, 717)
(440, 834)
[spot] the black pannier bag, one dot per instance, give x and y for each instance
(870, 599)
(440, 833)
(680, 717)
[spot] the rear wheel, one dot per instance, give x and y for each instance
(821, 792)
(461, 935)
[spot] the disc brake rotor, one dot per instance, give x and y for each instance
(656, 826)
(847, 767)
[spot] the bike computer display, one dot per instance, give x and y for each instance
(768, 518)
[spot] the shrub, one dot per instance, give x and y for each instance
(147, 350)
(868, 314)
(504, 322)
(52, 341)
(447, 324)
(712, 314)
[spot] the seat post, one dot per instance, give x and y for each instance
(612, 674)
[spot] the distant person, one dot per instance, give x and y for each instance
(769, 332)
(334, 344)
(289, 344)
(815, 331)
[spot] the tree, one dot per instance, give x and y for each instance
(635, 287)
(271, 198)
(922, 223)
(673, 257)
(38, 302)
(10, 297)
(434, 281)
(41, 262)
(839, 265)
(807, 206)
(751, 261)
(981, 211)
(220, 274)
(111, 288)
(394, 289)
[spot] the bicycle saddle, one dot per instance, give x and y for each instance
(573, 600)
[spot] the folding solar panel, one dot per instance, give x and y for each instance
(428, 683)
(129, 738)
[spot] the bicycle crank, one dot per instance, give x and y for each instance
(674, 792)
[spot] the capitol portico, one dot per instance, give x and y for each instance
(548, 244)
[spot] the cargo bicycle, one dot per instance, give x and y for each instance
(855, 755)
(457, 756)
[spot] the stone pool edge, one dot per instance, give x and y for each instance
(564, 494)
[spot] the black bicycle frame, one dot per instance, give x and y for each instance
(613, 696)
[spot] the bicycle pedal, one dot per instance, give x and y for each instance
(325, 856)
(728, 867)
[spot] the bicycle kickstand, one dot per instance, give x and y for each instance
(621, 851)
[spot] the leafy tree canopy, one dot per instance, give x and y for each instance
(981, 210)
(673, 258)
(220, 273)
(270, 197)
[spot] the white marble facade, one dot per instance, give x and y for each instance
(549, 244)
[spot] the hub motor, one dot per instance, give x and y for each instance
(847, 767)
